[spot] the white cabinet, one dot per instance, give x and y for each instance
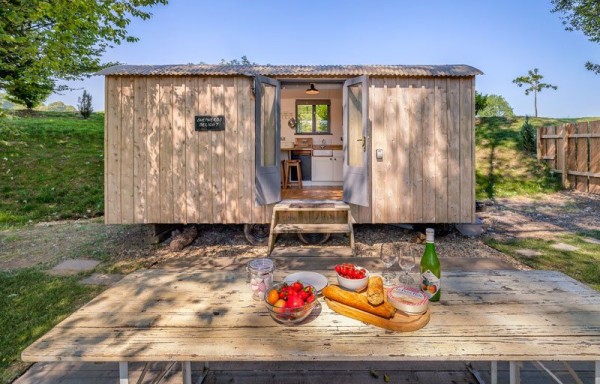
(322, 168)
(328, 169)
(338, 165)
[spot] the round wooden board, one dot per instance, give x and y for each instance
(401, 322)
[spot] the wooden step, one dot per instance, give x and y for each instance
(312, 228)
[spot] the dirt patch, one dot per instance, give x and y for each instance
(47, 244)
(545, 217)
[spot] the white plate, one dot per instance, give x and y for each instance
(315, 279)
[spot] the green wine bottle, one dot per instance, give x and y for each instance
(431, 272)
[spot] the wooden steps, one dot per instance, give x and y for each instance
(312, 228)
(310, 216)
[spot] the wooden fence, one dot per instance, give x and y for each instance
(576, 148)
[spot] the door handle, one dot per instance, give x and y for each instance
(364, 143)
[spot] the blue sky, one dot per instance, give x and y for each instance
(502, 38)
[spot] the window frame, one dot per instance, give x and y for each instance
(314, 103)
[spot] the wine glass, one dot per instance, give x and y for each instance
(407, 260)
(389, 257)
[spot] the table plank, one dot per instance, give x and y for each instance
(158, 315)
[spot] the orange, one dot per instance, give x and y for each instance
(272, 296)
(432, 288)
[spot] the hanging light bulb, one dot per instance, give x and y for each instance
(312, 90)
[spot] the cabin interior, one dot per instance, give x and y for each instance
(311, 139)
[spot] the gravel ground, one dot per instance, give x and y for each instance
(124, 248)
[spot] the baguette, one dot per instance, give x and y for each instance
(375, 290)
(358, 301)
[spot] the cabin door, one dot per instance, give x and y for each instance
(356, 141)
(268, 176)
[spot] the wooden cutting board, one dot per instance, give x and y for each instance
(401, 322)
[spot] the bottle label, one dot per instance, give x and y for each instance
(430, 283)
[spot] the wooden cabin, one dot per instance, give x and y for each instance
(208, 143)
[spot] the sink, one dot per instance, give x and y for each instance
(322, 152)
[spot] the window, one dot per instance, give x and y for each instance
(313, 117)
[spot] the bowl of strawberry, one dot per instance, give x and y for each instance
(352, 277)
(291, 303)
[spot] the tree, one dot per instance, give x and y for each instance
(480, 102)
(243, 61)
(534, 79)
(44, 40)
(497, 106)
(29, 93)
(85, 104)
(584, 16)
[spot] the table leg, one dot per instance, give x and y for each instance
(123, 372)
(494, 373)
(514, 372)
(597, 378)
(186, 370)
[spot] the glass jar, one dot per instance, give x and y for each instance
(260, 274)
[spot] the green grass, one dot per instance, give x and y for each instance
(51, 167)
(582, 264)
(31, 303)
(503, 168)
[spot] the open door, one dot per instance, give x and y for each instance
(356, 142)
(268, 176)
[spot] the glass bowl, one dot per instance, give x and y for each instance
(290, 316)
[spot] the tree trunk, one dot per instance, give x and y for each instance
(535, 102)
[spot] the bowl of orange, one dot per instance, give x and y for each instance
(291, 303)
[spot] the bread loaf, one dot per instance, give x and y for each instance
(375, 294)
(358, 301)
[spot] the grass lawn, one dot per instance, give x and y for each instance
(582, 264)
(51, 167)
(31, 303)
(503, 168)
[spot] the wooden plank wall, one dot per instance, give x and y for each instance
(581, 154)
(158, 169)
(425, 127)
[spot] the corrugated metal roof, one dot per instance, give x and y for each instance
(292, 70)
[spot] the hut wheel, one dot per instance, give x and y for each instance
(314, 238)
(257, 234)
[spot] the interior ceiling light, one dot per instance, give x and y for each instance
(312, 90)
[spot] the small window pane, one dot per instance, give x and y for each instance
(269, 128)
(304, 119)
(322, 118)
(355, 132)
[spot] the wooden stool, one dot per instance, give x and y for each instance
(293, 164)
(283, 175)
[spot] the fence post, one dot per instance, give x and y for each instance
(538, 139)
(565, 156)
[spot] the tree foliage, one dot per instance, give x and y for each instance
(497, 106)
(584, 16)
(29, 93)
(84, 105)
(534, 80)
(42, 40)
(528, 135)
(242, 61)
(480, 102)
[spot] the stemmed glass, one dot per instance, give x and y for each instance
(407, 260)
(389, 257)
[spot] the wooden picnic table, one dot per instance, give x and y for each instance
(182, 315)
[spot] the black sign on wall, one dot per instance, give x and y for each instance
(209, 123)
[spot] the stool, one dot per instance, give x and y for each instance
(283, 175)
(289, 164)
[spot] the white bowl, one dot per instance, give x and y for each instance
(356, 285)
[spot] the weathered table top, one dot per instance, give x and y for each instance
(157, 315)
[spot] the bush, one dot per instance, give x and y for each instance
(496, 106)
(528, 136)
(85, 105)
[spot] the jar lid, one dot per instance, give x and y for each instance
(261, 265)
